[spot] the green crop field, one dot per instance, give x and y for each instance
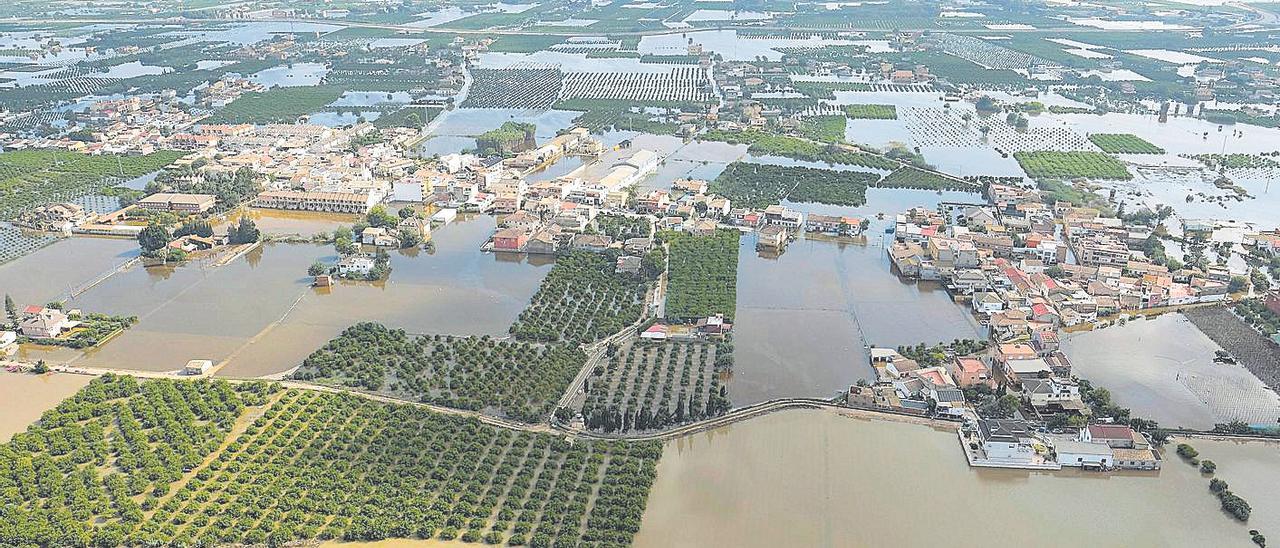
(1124, 143)
(1068, 165)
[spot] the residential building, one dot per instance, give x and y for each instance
(45, 323)
(184, 203)
(355, 265)
(1083, 454)
(969, 372)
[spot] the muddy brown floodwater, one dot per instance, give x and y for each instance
(805, 317)
(260, 314)
(24, 397)
(816, 478)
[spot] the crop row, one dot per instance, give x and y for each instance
(514, 379)
(306, 466)
(581, 300)
(650, 386)
(680, 84)
(514, 88)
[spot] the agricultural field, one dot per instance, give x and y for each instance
(599, 115)
(250, 464)
(30, 178)
(15, 242)
(1237, 161)
(824, 129)
(581, 300)
(871, 112)
(1124, 143)
(680, 84)
(514, 379)
(413, 117)
(654, 385)
(702, 274)
(1069, 165)
(276, 105)
(919, 179)
(515, 87)
(767, 144)
(761, 185)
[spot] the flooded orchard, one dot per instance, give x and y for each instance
(1163, 369)
(821, 478)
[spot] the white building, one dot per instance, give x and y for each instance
(197, 367)
(355, 264)
(1084, 454)
(445, 216)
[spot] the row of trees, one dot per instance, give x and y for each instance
(516, 379)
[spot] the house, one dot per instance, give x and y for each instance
(1136, 459)
(772, 237)
(415, 225)
(510, 239)
(714, 325)
(45, 323)
(637, 246)
(1053, 395)
(1083, 454)
(971, 372)
(595, 243)
(655, 332)
(378, 236)
(355, 265)
(1114, 435)
(987, 303)
(703, 227)
(521, 219)
(445, 216)
(628, 264)
(1007, 441)
(197, 367)
(185, 203)
(545, 241)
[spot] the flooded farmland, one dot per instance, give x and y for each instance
(24, 397)
(805, 318)
(261, 315)
(819, 478)
(61, 267)
(1163, 369)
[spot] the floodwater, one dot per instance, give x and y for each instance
(24, 397)
(260, 314)
(1163, 369)
(59, 268)
(805, 318)
(819, 478)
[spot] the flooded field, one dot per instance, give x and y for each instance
(62, 267)
(1163, 369)
(261, 315)
(24, 397)
(805, 318)
(817, 478)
